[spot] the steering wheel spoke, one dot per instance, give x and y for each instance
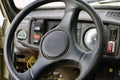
(86, 63)
(30, 46)
(70, 18)
(75, 53)
(40, 67)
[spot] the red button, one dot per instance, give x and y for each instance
(113, 31)
(37, 36)
(110, 47)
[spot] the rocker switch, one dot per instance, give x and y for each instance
(111, 47)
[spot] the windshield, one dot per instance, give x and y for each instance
(22, 3)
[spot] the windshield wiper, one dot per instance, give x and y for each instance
(109, 1)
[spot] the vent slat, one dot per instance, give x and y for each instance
(113, 14)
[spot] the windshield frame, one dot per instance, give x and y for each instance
(95, 6)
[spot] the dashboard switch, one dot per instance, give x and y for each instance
(37, 28)
(111, 47)
(113, 33)
(37, 36)
(36, 41)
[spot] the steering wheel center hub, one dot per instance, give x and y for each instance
(55, 44)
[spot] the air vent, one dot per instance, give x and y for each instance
(113, 14)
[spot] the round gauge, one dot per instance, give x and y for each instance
(90, 38)
(21, 35)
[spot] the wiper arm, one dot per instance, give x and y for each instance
(109, 1)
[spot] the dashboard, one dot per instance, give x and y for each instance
(38, 22)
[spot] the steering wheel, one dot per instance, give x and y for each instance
(58, 46)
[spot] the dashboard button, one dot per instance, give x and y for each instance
(37, 36)
(113, 33)
(36, 41)
(111, 47)
(37, 28)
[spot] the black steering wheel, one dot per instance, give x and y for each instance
(58, 46)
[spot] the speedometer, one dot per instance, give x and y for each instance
(90, 38)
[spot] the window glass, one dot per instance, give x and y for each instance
(2, 18)
(22, 3)
(115, 3)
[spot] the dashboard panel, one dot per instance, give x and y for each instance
(36, 28)
(38, 22)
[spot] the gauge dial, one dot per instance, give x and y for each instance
(21, 35)
(90, 38)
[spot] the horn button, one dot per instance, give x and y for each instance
(55, 44)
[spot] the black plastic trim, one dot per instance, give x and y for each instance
(10, 9)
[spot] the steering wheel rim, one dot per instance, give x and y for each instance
(73, 7)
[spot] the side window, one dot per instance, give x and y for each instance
(2, 18)
(4, 24)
